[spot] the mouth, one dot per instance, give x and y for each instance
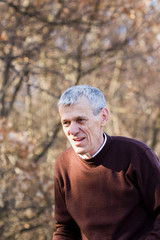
(78, 140)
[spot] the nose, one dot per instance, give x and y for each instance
(74, 129)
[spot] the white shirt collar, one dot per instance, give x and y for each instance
(104, 142)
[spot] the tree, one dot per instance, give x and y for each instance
(47, 46)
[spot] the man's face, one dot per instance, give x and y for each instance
(83, 129)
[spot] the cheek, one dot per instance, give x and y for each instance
(91, 133)
(94, 134)
(65, 130)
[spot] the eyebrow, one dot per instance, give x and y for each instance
(77, 117)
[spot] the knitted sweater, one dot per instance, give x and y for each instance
(113, 196)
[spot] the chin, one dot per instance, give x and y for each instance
(78, 151)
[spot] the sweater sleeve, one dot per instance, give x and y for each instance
(66, 227)
(147, 172)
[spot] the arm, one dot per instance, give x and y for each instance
(147, 170)
(66, 228)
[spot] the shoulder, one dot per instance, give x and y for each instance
(65, 156)
(130, 143)
(132, 147)
(64, 160)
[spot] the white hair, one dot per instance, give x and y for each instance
(73, 94)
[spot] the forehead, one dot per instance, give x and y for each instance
(81, 108)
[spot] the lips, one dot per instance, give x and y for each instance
(78, 140)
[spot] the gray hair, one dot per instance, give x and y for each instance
(94, 95)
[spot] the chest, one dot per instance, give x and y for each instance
(99, 188)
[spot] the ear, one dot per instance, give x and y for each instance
(104, 116)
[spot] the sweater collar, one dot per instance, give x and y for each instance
(104, 142)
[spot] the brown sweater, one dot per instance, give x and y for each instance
(113, 196)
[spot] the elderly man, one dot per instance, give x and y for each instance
(106, 187)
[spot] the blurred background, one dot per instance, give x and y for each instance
(45, 47)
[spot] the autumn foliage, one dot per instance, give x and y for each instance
(45, 47)
(26, 194)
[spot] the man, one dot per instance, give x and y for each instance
(106, 188)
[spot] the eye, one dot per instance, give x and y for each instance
(80, 120)
(65, 123)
